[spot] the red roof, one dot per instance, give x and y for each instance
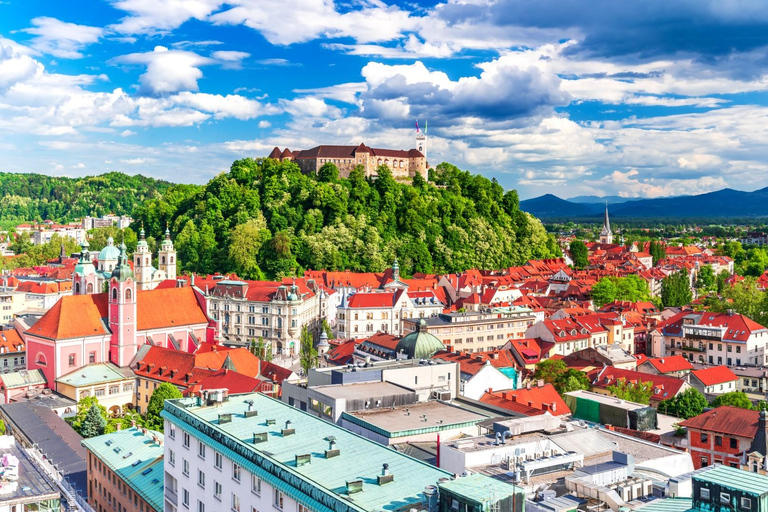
(11, 340)
(714, 375)
(468, 363)
(663, 387)
(235, 382)
(372, 300)
(342, 353)
(274, 372)
(530, 402)
(726, 420)
(669, 364)
(75, 316)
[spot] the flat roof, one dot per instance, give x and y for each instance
(360, 391)
(747, 481)
(32, 484)
(401, 420)
(477, 488)
(608, 400)
(667, 505)
(325, 478)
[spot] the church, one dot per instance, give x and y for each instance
(404, 164)
(90, 327)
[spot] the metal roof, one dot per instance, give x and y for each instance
(93, 374)
(479, 488)
(134, 457)
(325, 478)
(23, 378)
(746, 481)
(667, 505)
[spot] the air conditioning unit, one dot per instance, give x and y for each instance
(445, 396)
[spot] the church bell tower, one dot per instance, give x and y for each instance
(421, 140)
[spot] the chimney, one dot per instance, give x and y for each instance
(530, 403)
(554, 406)
(490, 391)
(661, 360)
(540, 383)
(528, 386)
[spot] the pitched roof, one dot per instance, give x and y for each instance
(714, 375)
(274, 372)
(235, 382)
(539, 399)
(96, 373)
(663, 387)
(669, 364)
(10, 341)
(469, 364)
(727, 420)
(23, 378)
(372, 300)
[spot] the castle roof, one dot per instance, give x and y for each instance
(78, 316)
(327, 151)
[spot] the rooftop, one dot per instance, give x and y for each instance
(324, 477)
(476, 487)
(401, 420)
(136, 458)
(97, 373)
(32, 484)
(736, 479)
(361, 391)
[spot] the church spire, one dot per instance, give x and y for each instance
(606, 236)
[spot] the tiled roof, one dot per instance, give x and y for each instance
(669, 364)
(663, 387)
(727, 420)
(10, 341)
(538, 398)
(469, 364)
(714, 375)
(165, 308)
(236, 383)
(274, 372)
(383, 339)
(372, 300)
(342, 353)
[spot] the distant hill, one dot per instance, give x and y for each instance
(726, 203)
(601, 200)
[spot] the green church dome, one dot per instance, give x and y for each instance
(109, 252)
(419, 344)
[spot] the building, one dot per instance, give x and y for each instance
(44, 294)
(479, 331)
(125, 470)
(13, 353)
(725, 435)
(663, 387)
(15, 386)
(714, 380)
(364, 313)
(111, 385)
(219, 444)
(24, 486)
(274, 312)
(92, 328)
(147, 276)
(671, 366)
(43, 235)
(752, 381)
(477, 374)
(529, 401)
(404, 164)
(606, 235)
(105, 221)
(13, 302)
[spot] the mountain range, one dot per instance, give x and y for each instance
(725, 203)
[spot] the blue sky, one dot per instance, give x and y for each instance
(646, 99)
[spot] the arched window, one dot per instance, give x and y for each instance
(40, 359)
(128, 295)
(77, 288)
(89, 288)
(163, 258)
(114, 293)
(171, 259)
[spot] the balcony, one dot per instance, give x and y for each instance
(172, 496)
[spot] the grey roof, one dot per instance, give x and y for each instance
(57, 441)
(32, 483)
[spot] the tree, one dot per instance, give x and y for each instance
(308, 352)
(244, 246)
(571, 380)
(722, 277)
(657, 251)
(579, 254)
(629, 288)
(744, 298)
(328, 173)
(163, 392)
(734, 399)
(83, 406)
(549, 370)
(94, 423)
(261, 349)
(688, 404)
(638, 392)
(326, 327)
(705, 279)
(676, 289)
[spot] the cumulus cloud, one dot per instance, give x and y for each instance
(168, 71)
(160, 16)
(61, 39)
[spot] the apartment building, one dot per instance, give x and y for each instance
(477, 331)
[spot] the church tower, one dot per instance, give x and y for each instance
(142, 263)
(606, 236)
(84, 278)
(421, 140)
(167, 257)
(122, 312)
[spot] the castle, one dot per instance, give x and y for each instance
(403, 164)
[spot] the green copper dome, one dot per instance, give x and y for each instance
(419, 344)
(122, 271)
(109, 252)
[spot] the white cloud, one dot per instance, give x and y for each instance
(127, 133)
(61, 39)
(264, 124)
(230, 59)
(168, 71)
(133, 161)
(158, 16)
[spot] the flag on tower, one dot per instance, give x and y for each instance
(417, 126)
(425, 126)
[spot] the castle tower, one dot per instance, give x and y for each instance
(84, 278)
(166, 257)
(122, 312)
(142, 263)
(421, 140)
(606, 236)
(395, 270)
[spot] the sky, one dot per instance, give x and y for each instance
(638, 99)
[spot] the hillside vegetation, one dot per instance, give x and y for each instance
(38, 197)
(266, 219)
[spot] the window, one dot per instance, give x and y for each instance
(217, 490)
(185, 498)
(734, 443)
(217, 460)
(255, 484)
(746, 503)
(92, 357)
(704, 493)
(201, 478)
(718, 440)
(200, 506)
(200, 449)
(71, 359)
(185, 467)
(278, 500)
(725, 498)
(235, 502)
(236, 472)
(302, 508)
(186, 440)
(172, 431)
(171, 457)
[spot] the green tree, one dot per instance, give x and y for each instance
(163, 392)
(705, 279)
(722, 277)
(604, 291)
(657, 252)
(745, 298)
(245, 243)
(2, 428)
(328, 173)
(688, 404)
(307, 351)
(734, 399)
(94, 423)
(550, 370)
(637, 392)
(579, 254)
(571, 380)
(326, 327)
(676, 290)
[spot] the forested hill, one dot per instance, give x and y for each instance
(39, 197)
(266, 219)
